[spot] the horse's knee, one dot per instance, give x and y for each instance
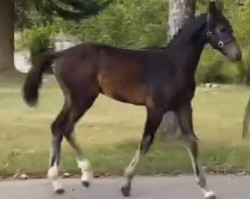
(64, 127)
(55, 128)
(190, 140)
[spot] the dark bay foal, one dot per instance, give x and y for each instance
(160, 80)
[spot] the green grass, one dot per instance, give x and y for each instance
(111, 131)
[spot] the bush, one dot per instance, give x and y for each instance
(215, 67)
(130, 23)
(39, 39)
(139, 24)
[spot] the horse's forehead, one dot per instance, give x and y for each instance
(222, 21)
(222, 25)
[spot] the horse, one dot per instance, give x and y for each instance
(160, 80)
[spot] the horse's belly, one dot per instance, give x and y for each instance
(124, 91)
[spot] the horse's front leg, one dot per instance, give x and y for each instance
(154, 118)
(184, 116)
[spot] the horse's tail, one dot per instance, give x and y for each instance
(33, 79)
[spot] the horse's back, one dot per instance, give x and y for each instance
(117, 73)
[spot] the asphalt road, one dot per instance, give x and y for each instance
(182, 187)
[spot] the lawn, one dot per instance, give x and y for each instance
(110, 132)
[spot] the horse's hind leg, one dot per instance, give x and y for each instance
(184, 116)
(64, 126)
(83, 163)
(79, 106)
(154, 118)
(57, 136)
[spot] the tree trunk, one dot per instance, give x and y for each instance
(7, 19)
(247, 74)
(180, 11)
(246, 123)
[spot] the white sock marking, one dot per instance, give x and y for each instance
(208, 194)
(54, 177)
(87, 176)
(131, 168)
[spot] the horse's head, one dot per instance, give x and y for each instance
(220, 33)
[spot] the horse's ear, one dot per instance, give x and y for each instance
(214, 7)
(219, 5)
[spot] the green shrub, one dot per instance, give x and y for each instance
(215, 67)
(39, 39)
(132, 24)
(219, 71)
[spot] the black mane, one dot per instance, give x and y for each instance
(186, 32)
(189, 30)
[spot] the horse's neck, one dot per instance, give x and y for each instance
(188, 45)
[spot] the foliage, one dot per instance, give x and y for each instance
(38, 16)
(129, 24)
(140, 23)
(42, 12)
(214, 67)
(39, 39)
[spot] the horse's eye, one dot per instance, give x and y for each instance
(223, 29)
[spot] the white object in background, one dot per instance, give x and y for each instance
(22, 62)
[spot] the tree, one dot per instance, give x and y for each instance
(118, 24)
(246, 120)
(6, 35)
(245, 13)
(11, 9)
(180, 11)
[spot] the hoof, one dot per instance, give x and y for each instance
(125, 191)
(59, 191)
(210, 195)
(85, 183)
(86, 179)
(58, 187)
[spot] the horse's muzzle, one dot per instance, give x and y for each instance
(232, 51)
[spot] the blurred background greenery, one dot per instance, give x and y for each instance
(137, 24)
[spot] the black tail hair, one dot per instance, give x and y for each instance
(33, 79)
